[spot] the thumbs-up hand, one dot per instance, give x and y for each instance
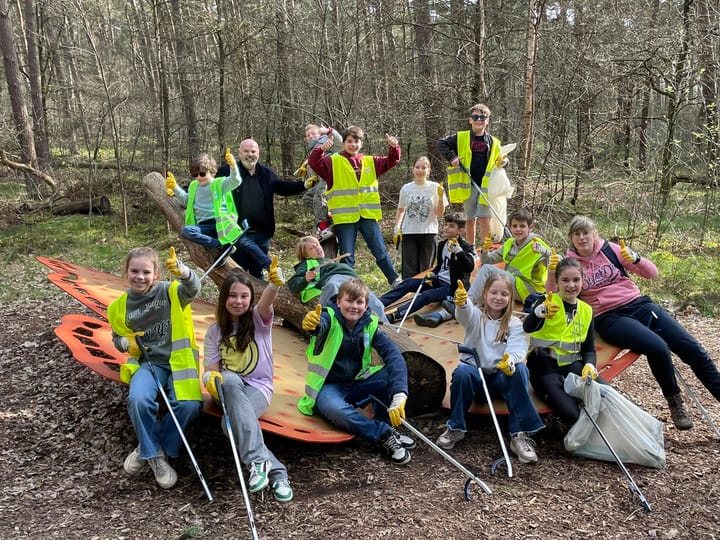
(461, 294)
(590, 371)
(301, 171)
(230, 159)
(554, 260)
(175, 267)
(392, 141)
(628, 254)
(275, 273)
(440, 192)
(312, 319)
(487, 243)
(547, 309)
(170, 184)
(506, 365)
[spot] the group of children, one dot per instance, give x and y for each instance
(344, 374)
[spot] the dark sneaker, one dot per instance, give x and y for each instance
(398, 454)
(449, 306)
(433, 319)
(449, 437)
(524, 447)
(394, 317)
(404, 440)
(678, 412)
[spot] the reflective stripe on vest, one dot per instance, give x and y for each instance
(226, 216)
(185, 354)
(311, 290)
(319, 364)
(349, 199)
(521, 267)
(562, 339)
(459, 183)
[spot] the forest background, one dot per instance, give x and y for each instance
(613, 104)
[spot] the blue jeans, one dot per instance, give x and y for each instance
(155, 433)
(204, 234)
(337, 404)
(634, 327)
(252, 252)
(437, 292)
(370, 230)
(465, 384)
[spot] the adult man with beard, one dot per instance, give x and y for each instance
(254, 203)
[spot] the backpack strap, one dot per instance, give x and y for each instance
(610, 254)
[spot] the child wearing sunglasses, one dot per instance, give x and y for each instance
(475, 152)
(210, 216)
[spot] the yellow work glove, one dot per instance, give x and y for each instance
(628, 254)
(175, 267)
(502, 161)
(429, 278)
(506, 365)
(589, 371)
(275, 273)
(301, 171)
(453, 246)
(461, 295)
(440, 192)
(487, 243)
(396, 410)
(547, 309)
(312, 319)
(397, 238)
(554, 260)
(129, 345)
(310, 182)
(230, 159)
(170, 184)
(211, 380)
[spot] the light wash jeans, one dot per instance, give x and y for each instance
(155, 434)
(370, 230)
(337, 404)
(204, 234)
(466, 383)
(245, 405)
(331, 287)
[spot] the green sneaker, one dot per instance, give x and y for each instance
(282, 490)
(259, 476)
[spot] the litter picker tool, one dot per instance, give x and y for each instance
(238, 466)
(428, 334)
(470, 476)
(506, 231)
(144, 354)
(633, 486)
(334, 260)
(225, 254)
(506, 457)
(407, 312)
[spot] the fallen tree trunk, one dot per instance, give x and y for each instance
(99, 206)
(426, 377)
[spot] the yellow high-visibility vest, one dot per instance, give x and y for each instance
(458, 181)
(350, 199)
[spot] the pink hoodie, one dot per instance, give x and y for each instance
(604, 287)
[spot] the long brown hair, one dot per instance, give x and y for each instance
(246, 328)
(504, 327)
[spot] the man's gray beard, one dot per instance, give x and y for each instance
(249, 165)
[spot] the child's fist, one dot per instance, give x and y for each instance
(628, 254)
(175, 267)
(392, 141)
(170, 184)
(440, 192)
(554, 260)
(507, 365)
(547, 309)
(275, 273)
(312, 319)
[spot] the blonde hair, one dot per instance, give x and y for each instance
(580, 224)
(300, 248)
(504, 326)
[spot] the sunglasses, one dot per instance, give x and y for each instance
(477, 117)
(198, 173)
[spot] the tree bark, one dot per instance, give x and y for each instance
(426, 377)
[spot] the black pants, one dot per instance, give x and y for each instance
(547, 379)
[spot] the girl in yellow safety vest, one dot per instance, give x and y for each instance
(562, 341)
(159, 311)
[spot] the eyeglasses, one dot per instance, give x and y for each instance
(477, 117)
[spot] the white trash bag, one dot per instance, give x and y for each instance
(636, 436)
(499, 191)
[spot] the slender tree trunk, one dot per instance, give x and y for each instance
(284, 88)
(183, 65)
(36, 87)
(479, 85)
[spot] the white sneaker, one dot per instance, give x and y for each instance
(395, 284)
(449, 437)
(259, 476)
(398, 454)
(404, 440)
(524, 447)
(282, 490)
(165, 475)
(134, 464)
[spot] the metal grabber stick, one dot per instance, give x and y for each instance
(224, 255)
(689, 391)
(506, 457)
(470, 476)
(412, 301)
(633, 486)
(236, 456)
(166, 400)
